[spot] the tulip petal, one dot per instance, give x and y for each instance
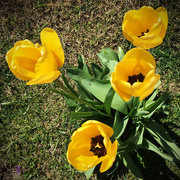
(149, 87)
(108, 162)
(53, 44)
(147, 16)
(149, 41)
(24, 42)
(125, 96)
(163, 13)
(17, 70)
(26, 57)
(45, 78)
(137, 89)
(102, 128)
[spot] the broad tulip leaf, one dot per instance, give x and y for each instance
(120, 53)
(119, 125)
(78, 74)
(129, 163)
(160, 134)
(81, 72)
(100, 88)
(150, 146)
(106, 55)
(111, 65)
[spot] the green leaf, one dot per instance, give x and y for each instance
(111, 65)
(132, 113)
(100, 88)
(89, 172)
(120, 53)
(140, 128)
(81, 72)
(129, 145)
(108, 100)
(104, 74)
(77, 74)
(83, 114)
(150, 146)
(153, 96)
(129, 163)
(119, 125)
(106, 55)
(81, 64)
(69, 86)
(97, 70)
(155, 105)
(83, 92)
(62, 93)
(130, 103)
(160, 134)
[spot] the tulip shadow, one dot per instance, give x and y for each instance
(152, 167)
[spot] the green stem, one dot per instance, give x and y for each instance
(77, 98)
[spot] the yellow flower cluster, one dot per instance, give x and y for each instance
(133, 76)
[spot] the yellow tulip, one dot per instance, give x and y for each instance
(36, 63)
(91, 145)
(146, 27)
(135, 75)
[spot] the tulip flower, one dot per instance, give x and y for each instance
(135, 75)
(146, 27)
(91, 145)
(36, 63)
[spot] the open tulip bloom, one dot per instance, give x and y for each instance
(36, 63)
(135, 75)
(91, 145)
(120, 94)
(145, 27)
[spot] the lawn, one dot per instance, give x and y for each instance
(34, 128)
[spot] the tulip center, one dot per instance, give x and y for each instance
(136, 78)
(144, 33)
(97, 146)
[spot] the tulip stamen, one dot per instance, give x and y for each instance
(144, 33)
(135, 78)
(97, 146)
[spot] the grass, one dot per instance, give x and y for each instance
(35, 130)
